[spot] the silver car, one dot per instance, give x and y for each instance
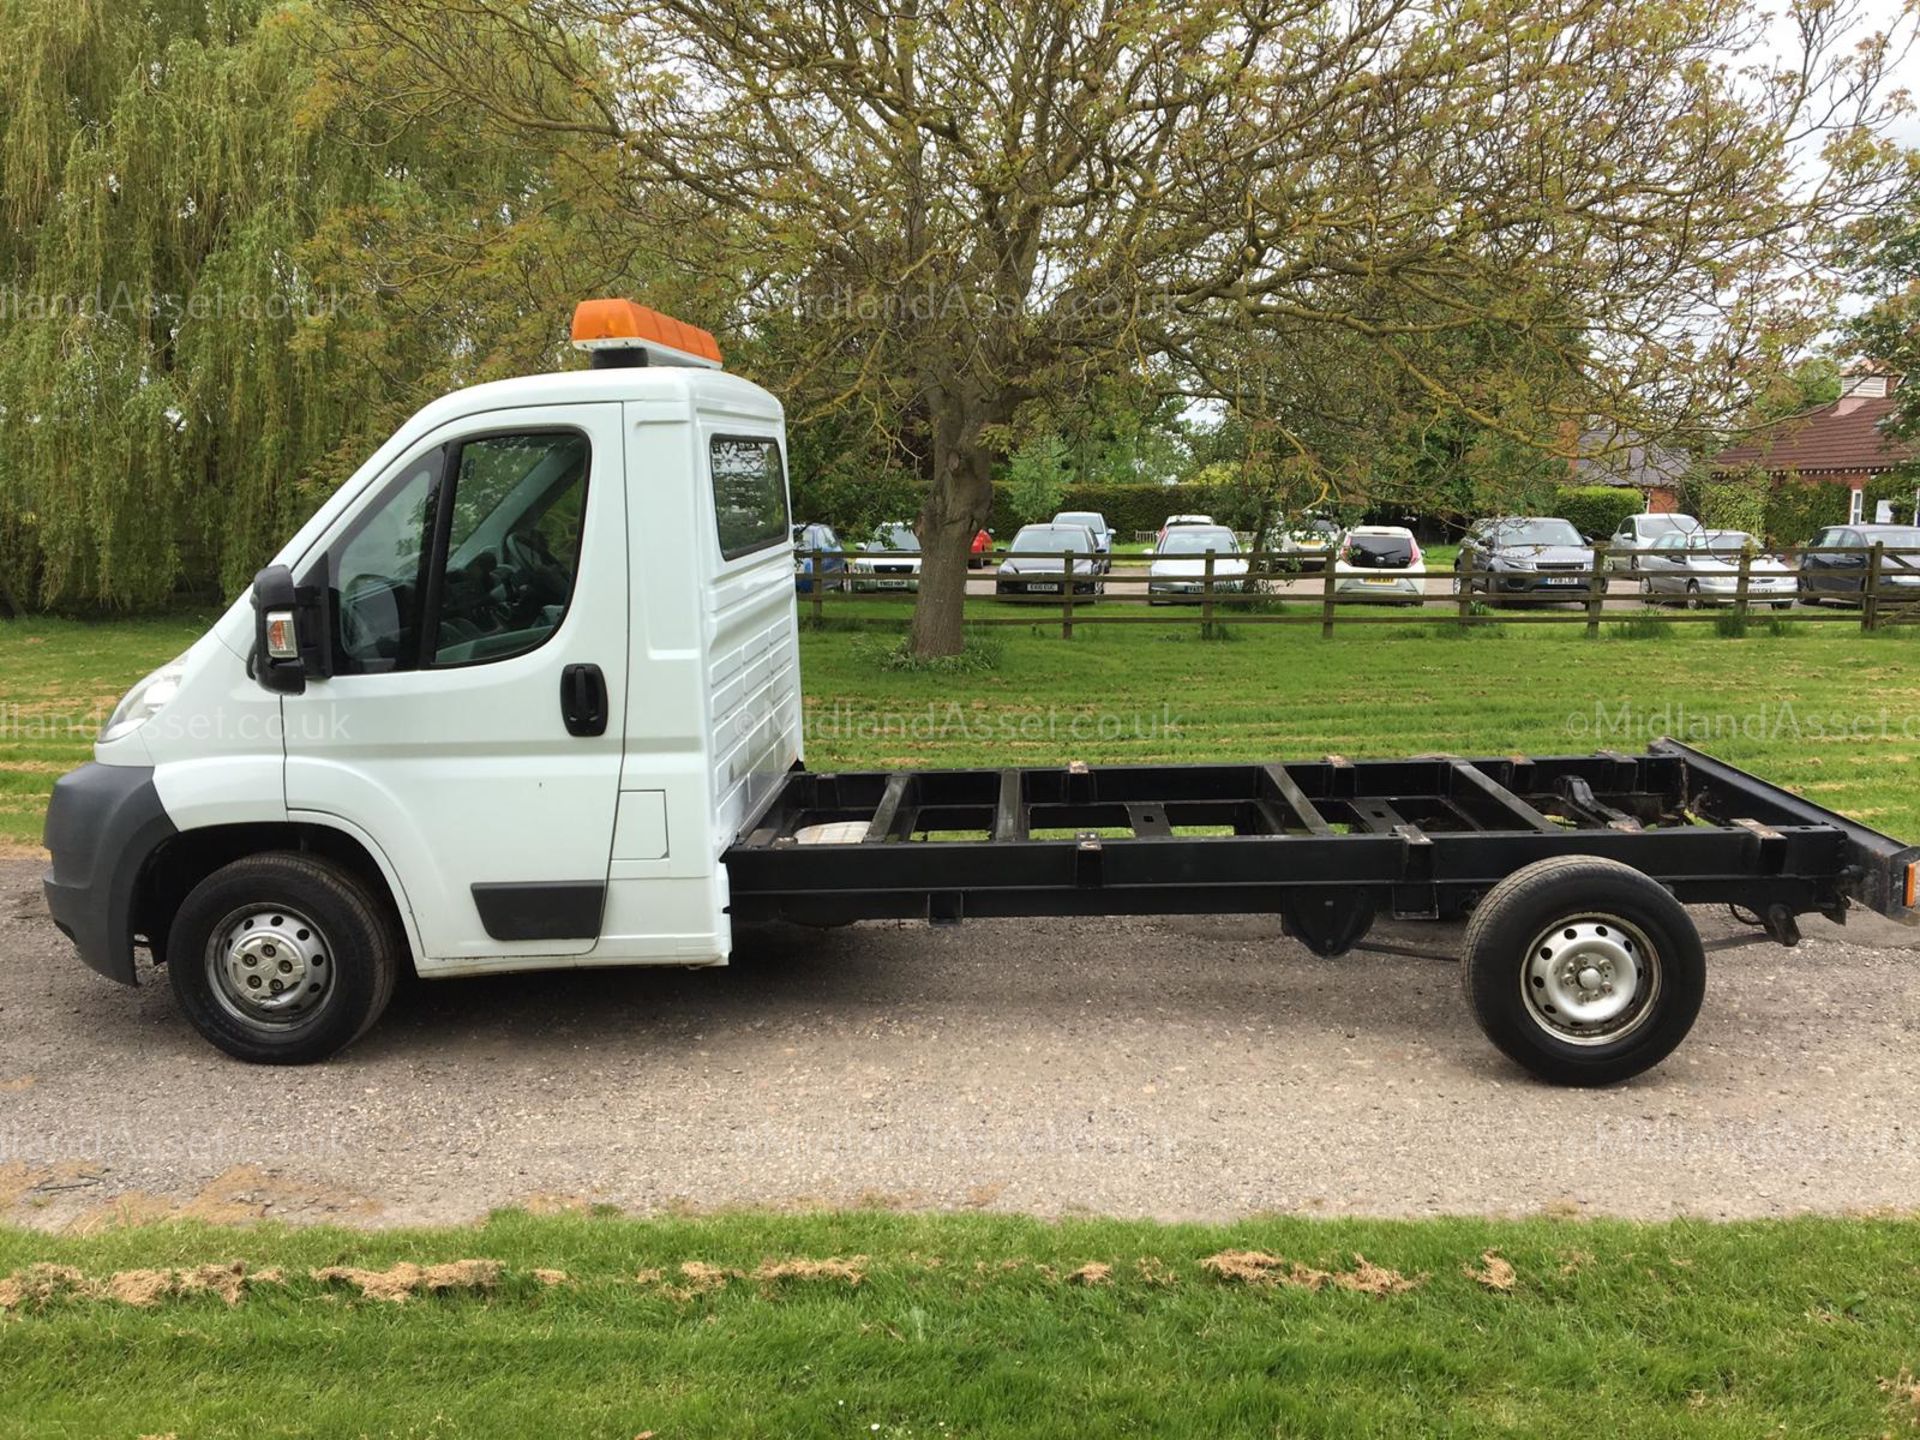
(1179, 565)
(1702, 567)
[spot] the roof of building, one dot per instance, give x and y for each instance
(1612, 457)
(1846, 435)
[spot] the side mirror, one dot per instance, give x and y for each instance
(291, 637)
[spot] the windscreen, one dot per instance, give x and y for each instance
(1047, 538)
(1198, 542)
(1537, 532)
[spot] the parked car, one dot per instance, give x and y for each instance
(1096, 524)
(807, 539)
(981, 550)
(1639, 532)
(1172, 520)
(1033, 563)
(1523, 555)
(1306, 544)
(1843, 577)
(1703, 568)
(890, 560)
(1179, 564)
(1380, 562)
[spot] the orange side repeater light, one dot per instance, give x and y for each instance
(623, 325)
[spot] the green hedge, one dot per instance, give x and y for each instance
(1127, 507)
(1596, 510)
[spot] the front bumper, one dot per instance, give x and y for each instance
(103, 825)
(1559, 582)
(1051, 586)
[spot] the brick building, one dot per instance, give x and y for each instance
(1844, 443)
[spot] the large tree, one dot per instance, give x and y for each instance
(222, 280)
(954, 209)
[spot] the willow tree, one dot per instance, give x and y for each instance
(954, 208)
(221, 280)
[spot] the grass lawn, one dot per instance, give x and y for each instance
(983, 1326)
(992, 1326)
(1822, 709)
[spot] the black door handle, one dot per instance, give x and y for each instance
(583, 700)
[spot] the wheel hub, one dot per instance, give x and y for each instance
(270, 964)
(1589, 980)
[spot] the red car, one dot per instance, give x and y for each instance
(982, 545)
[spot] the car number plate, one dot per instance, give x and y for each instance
(1047, 589)
(1561, 580)
(1376, 580)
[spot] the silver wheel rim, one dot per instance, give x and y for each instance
(269, 966)
(1590, 979)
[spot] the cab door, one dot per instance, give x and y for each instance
(472, 730)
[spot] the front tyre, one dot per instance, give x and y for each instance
(1584, 971)
(283, 958)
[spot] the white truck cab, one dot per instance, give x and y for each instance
(499, 705)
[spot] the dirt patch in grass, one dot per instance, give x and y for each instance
(406, 1280)
(1494, 1272)
(1257, 1267)
(850, 1271)
(37, 1284)
(1094, 1272)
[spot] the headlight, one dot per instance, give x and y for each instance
(144, 700)
(1513, 562)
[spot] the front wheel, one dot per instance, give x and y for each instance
(283, 958)
(1583, 970)
(1693, 595)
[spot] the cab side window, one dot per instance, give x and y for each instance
(377, 574)
(470, 557)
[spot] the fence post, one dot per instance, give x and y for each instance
(1326, 596)
(1870, 597)
(819, 587)
(1206, 599)
(1463, 596)
(1066, 596)
(1740, 587)
(1596, 589)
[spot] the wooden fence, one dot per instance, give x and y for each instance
(1883, 586)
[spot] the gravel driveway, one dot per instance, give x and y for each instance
(1202, 1068)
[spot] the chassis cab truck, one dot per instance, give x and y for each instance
(525, 694)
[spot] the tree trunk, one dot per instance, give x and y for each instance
(959, 502)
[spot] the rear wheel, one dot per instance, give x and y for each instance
(283, 959)
(1693, 595)
(1583, 970)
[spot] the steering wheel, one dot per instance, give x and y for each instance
(358, 634)
(538, 578)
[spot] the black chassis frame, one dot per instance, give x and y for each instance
(1327, 844)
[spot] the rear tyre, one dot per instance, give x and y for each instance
(283, 958)
(1583, 971)
(1693, 595)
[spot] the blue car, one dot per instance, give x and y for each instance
(833, 560)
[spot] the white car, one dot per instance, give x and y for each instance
(1173, 520)
(1380, 562)
(1703, 568)
(1179, 565)
(888, 561)
(1639, 533)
